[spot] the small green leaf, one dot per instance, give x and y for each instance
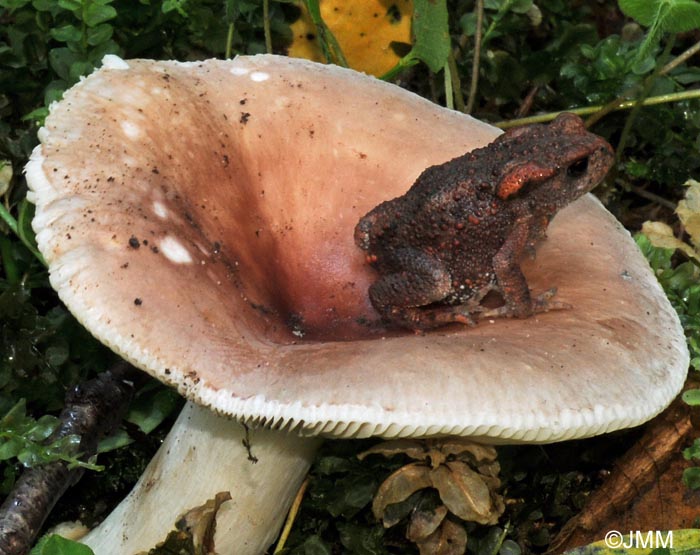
(42, 428)
(430, 27)
(313, 545)
(67, 33)
(119, 439)
(692, 452)
(174, 5)
(70, 5)
(13, 4)
(152, 406)
(692, 397)
(99, 34)
(643, 11)
(10, 448)
(691, 477)
(80, 68)
(682, 16)
(96, 14)
(61, 60)
(231, 10)
(57, 545)
(360, 540)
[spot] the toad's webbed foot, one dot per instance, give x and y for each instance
(541, 303)
(421, 318)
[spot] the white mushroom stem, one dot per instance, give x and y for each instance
(204, 454)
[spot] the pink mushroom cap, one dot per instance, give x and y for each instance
(198, 219)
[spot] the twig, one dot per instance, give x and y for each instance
(651, 196)
(449, 93)
(291, 516)
(266, 26)
(229, 42)
(456, 83)
(474, 84)
(92, 410)
(650, 101)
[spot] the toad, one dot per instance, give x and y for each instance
(462, 229)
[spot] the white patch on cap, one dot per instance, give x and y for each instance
(110, 61)
(160, 210)
(283, 102)
(240, 70)
(130, 129)
(175, 251)
(399, 116)
(259, 76)
(43, 134)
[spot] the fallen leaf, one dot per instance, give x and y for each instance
(465, 493)
(661, 235)
(424, 523)
(194, 534)
(400, 486)
(410, 447)
(688, 211)
(449, 539)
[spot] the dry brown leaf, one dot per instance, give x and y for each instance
(461, 446)
(688, 211)
(449, 539)
(424, 523)
(465, 493)
(194, 533)
(411, 447)
(400, 486)
(661, 235)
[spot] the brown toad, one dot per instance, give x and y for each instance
(462, 229)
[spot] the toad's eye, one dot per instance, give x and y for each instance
(578, 168)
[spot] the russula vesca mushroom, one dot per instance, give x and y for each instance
(198, 218)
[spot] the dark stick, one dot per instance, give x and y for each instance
(92, 410)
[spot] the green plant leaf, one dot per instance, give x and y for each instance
(57, 545)
(61, 60)
(99, 34)
(691, 477)
(313, 545)
(70, 5)
(692, 452)
(96, 14)
(13, 4)
(67, 33)
(175, 5)
(360, 540)
(672, 16)
(431, 30)
(642, 11)
(661, 16)
(692, 397)
(152, 406)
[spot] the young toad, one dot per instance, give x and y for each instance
(462, 229)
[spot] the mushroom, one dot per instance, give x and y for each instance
(198, 219)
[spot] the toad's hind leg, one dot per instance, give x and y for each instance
(420, 280)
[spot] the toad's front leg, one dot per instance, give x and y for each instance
(518, 301)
